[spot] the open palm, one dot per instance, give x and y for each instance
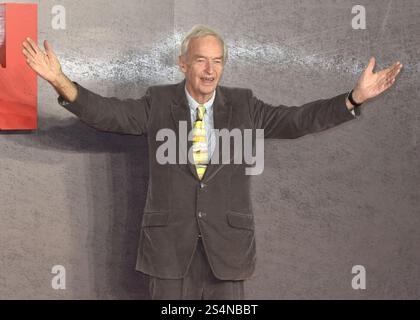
(371, 84)
(43, 63)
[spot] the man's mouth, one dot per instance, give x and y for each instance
(207, 80)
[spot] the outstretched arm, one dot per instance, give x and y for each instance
(284, 122)
(128, 116)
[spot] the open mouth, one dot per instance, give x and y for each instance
(207, 80)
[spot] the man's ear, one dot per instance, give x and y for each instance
(182, 64)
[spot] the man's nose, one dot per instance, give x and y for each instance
(209, 67)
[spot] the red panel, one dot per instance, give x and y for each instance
(2, 37)
(18, 82)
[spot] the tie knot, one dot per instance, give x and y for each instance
(200, 111)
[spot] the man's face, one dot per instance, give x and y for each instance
(203, 66)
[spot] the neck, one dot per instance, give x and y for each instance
(200, 98)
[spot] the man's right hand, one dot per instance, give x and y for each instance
(43, 63)
(46, 65)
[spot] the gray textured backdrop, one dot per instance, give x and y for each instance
(74, 196)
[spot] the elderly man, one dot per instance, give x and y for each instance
(197, 237)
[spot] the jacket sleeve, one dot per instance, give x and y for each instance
(128, 116)
(283, 122)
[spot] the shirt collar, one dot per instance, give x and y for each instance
(194, 104)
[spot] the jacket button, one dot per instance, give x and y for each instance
(201, 214)
(202, 185)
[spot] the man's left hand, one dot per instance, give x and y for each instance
(372, 84)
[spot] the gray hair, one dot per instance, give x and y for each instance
(199, 31)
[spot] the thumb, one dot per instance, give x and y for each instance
(48, 48)
(371, 65)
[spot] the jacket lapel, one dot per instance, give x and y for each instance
(222, 113)
(181, 112)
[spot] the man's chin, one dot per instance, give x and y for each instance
(207, 89)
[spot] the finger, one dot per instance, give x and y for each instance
(371, 65)
(398, 64)
(28, 47)
(31, 62)
(395, 68)
(28, 54)
(385, 84)
(33, 45)
(386, 75)
(388, 72)
(390, 77)
(393, 72)
(391, 80)
(388, 84)
(48, 49)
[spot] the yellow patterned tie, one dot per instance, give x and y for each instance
(200, 148)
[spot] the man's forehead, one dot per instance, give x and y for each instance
(206, 51)
(206, 41)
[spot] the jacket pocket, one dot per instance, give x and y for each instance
(155, 218)
(240, 220)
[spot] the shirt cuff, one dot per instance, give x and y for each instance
(62, 101)
(356, 110)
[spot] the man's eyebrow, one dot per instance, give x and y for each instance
(200, 56)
